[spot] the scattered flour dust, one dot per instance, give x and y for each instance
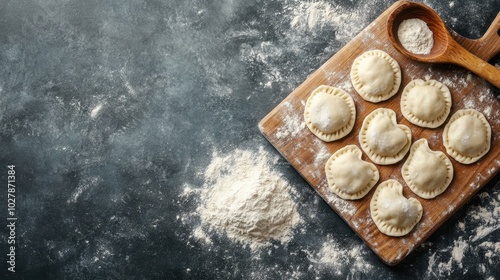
(306, 19)
(244, 198)
(312, 16)
(294, 123)
(342, 259)
(482, 246)
(483, 101)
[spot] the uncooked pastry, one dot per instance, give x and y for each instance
(426, 172)
(348, 175)
(382, 138)
(467, 136)
(393, 214)
(376, 76)
(330, 113)
(426, 103)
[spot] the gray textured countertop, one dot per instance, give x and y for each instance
(110, 110)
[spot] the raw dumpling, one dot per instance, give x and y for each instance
(426, 172)
(393, 214)
(348, 175)
(376, 76)
(330, 113)
(467, 136)
(382, 138)
(426, 103)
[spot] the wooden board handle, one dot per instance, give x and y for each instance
(485, 47)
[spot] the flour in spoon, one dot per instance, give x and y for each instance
(415, 36)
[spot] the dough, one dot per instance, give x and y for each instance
(382, 138)
(467, 136)
(393, 214)
(426, 172)
(426, 103)
(330, 113)
(376, 76)
(348, 175)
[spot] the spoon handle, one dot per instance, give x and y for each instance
(476, 65)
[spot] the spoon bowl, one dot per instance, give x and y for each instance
(445, 48)
(411, 10)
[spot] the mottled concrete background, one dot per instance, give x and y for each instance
(109, 109)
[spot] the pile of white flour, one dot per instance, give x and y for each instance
(415, 36)
(244, 198)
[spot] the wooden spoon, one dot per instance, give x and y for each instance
(445, 49)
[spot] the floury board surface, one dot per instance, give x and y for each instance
(285, 129)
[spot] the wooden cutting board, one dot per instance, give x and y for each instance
(285, 128)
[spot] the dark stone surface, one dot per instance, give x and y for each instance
(109, 108)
